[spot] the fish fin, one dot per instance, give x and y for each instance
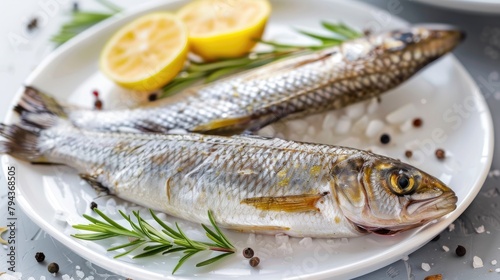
(21, 142)
(259, 229)
(290, 203)
(94, 182)
(225, 125)
(38, 109)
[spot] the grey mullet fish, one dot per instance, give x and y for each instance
(309, 83)
(251, 184)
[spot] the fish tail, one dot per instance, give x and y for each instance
(21, 142)
(38, 109)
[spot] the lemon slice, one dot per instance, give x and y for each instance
(224, 28)
(146, 53)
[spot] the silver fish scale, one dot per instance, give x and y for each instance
(186, 175)
(309, 83)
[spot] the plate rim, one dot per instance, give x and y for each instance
(120, 267)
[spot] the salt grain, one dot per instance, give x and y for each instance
(42, 278)
(477, 262)
(451, 227)
(445, 248)
(311, 130)
(80, 274)
(494, 262)
(406, 126)
(402, 114)
(305, 242)
(497, 270)
(65, 277)
(426, 267)
(77, 267)
(480, 229)
(343, 125)
(372, 106)
(281, 238)
(251, 239)
(374, 128)
(329, 121)
(360, 125)
(8, 277)
(111, 206)
(285, 249)
(298, 126)
(355, 111)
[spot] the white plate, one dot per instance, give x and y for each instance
(54, 197)
(482, 6)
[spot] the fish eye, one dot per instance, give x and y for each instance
(402, 183)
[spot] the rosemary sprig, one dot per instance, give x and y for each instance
(143, 236)
(210, 71)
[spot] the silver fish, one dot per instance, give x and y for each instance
(251, 184)
(306, 84)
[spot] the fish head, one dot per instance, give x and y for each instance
(419, 43)
(386, 196)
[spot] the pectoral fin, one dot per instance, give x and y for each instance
(291, 203)
(227, 124)
(94, 183)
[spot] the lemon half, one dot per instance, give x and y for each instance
(224, 28)
(147, 53)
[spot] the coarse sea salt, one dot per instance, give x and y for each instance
(480, 229)
(426, 267)
(477, 262)
(402, 114)
(355, 111)
(374, 128)
(281, 238)
(328, 123)
(494, 262)
(445, 248)
(80, 274)
(343, 125)
(451, 227)
(305, 242)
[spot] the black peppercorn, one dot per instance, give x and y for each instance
(93, 205)
(152, 97)
(247, 253)
(254, 261)
(385, 138)
(40, 257)
(460, 251)
(53, 268)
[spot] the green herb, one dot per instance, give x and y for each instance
(197, 72)
(83, 20)
(151, 241)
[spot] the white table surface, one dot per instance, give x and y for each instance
(21, 51)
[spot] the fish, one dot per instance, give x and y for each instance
(290, 88)
(249, 183)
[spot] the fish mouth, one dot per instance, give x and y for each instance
(432, 208)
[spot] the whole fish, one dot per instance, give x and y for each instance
(306, 84)
(251, 184)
